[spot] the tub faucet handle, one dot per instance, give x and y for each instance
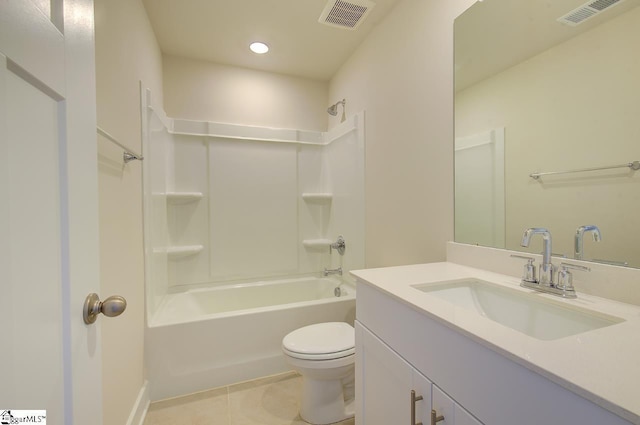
(338, 245)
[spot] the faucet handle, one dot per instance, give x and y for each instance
(565, 277)
(339, 245)
(529, 271)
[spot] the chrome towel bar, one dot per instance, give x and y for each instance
(635, 165)
(128, 154)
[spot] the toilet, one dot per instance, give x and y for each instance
(324, 354)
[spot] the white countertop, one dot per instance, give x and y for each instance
(601, 365)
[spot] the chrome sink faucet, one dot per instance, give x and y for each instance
(546, 268)
(564, 286)
(578, 240)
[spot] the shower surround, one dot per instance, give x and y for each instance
(230, 206)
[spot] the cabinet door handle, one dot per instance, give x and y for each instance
(414, 398)
(435, 418)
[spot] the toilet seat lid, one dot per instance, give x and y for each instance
(321, 338)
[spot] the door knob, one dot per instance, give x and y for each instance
(111, 307)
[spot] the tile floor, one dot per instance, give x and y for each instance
(267, 401)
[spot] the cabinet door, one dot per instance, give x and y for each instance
(463, 417)
(453, 413)
(384, 382)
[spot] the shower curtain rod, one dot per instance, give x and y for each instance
(128, 154)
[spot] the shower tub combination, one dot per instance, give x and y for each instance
(211, 337)
(227, 208)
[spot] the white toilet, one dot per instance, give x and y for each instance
(324, 354)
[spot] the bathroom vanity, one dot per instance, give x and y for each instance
(476, 348)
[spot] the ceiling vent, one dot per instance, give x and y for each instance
(586, 11)
(345, 14)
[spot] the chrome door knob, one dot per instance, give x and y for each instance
(111, 307)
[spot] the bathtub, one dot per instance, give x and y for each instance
(211, 337)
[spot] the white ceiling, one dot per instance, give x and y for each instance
(220, 31)
(494, 35)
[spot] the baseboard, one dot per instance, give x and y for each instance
(139, 411)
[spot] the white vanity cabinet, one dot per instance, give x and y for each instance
(452, 412)
(384, 385)
(400, 347)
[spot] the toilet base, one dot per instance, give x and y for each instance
(323, 401)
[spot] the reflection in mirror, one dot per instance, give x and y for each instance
(534, 94)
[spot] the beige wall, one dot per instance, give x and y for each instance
(402, 75)
(205, 91)
(573, 106)
(126, 51)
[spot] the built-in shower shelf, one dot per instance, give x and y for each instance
(175, 252)
(316, 244)
(183, 197)
(319, 197)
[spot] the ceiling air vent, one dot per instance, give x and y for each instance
(586, 11)
(345, 14)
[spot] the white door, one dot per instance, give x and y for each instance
(49, 359)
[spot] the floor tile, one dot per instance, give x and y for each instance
(275, 402)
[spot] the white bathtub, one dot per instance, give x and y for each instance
(206, 338)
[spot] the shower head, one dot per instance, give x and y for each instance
(333, 109)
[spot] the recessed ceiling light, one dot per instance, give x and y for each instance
(259, 48)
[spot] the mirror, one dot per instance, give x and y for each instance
(534, 94)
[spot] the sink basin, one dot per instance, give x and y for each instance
(530, 314)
